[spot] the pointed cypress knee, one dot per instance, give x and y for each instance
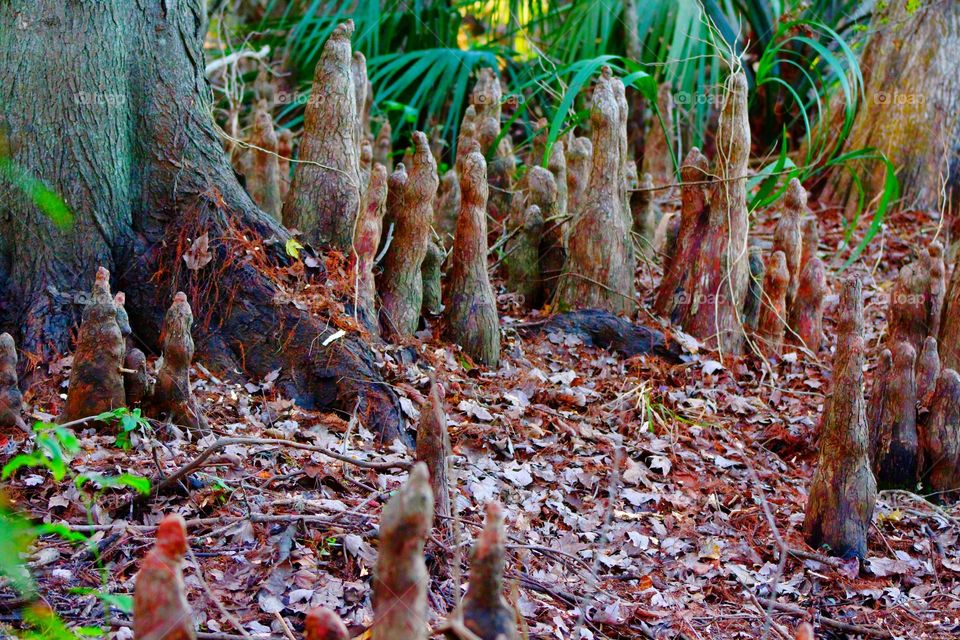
(542, 191)
(137, 383)
(324, 624)
(928, 370)
(172, 397)
(325, 194)
(843, 492)
(430, 272)
(11, 400)
(382, 147)
(365, 244)
(940, 439)
(557, 166)
(401, 284)
(400, 582)
(485, 611)
(811, 242)
(160, 607)
(916, 301)
(600, 264)
(263, 180)
(771, 326)
(96, 385)
(788, 236)
(893, 436)
(579, 159)
(470, 308)
(806, 312)
(433, 449)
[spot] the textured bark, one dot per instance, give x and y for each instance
(916, 301)
(522, 259)
(579, 160)
(673, 295)
(843, 491)
(487, 95)
(383, 146)
(771, 326)
(912, 97)
(543, 192)
(401, 284)
(325, 194)
(811, 242)
(754, 301)
(160, 607)
(365, 244)
(928, 370)
(324, 624)
(644, 213)
(397, 194)
(720, 271)
(145, 174)
(366, 162)
(485, 611)
(940, 438)
(433, 449)
(137, 384)
(657, 160)
(500, 170)
(806, 313)
(123, 319)
(362, 97)
(172, 398)
(600, 263)
(447, 207)
(263, 180)
(894, 448)
(607, 331)
(878, 393)
(11, 400)
(949, 339)
(96, 384)
(470, 308)
(430, 272)
(400, 582)
(285, 153)
(787, 236)
(557, 166)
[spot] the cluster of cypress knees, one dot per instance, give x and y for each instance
(401, 579)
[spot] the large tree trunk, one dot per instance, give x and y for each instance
(911, 109)
(118, 124)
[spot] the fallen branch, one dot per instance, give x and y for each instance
(830, 622)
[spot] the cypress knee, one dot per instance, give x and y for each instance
(325, 194)
(940, 438)
(324, 624)
(811, 242)
(485, 611)
(400, 582)
(928, 370)
(361, 92)
(11, 400)
(579, 160)
(470, 308)
(401, 285)
(910, 315)
(263, 180)
(894, 446)
(365, 245)
(673, 294)
(430, 272)
(136, 381)
(751, 307)
(644, 213)
(123, 320)
(787, 236)
(806, 313)
(96, 385)
(160, 607)
(522, 257)
(657, 159)
(771, 326)
(382, 148)
(172, 396)
(557, 166)
(843, 491)
(433, 449)
(447, 207)
(878, 393)
(600, 264)
(366, 162)
(542, 191)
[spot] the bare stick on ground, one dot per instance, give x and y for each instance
(470, 308)
(843, 491)
(401, 580)
(160, 608)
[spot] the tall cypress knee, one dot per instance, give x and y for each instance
(771, 326)
(324, 197)
(400, 581)
(579, 153)
(365, 244)
(928, 370)
(600, 263)
(470, 308)
(485, 610)
(788, 236)
(263, 180)
(430, 272)
(96, 384)
(401, 284)
(172, 397)
(433, 449)
(806, 312)
(843, 492)
(893, 436)
(940, 438)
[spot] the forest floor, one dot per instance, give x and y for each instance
(643, 498)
